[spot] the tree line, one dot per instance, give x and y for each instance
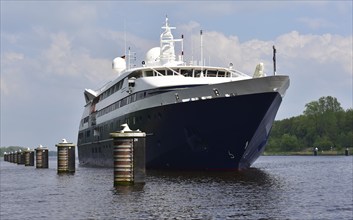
(324, 124)
(17, 148)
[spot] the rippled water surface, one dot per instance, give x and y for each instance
(275, 188)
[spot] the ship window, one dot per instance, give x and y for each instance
(123, 102)
(139, 96)
(211, 73)
(88, 133)
(120, 84)
(169, 73)
(221, 74)
(198, 73)
(149, 73)
(187, 73)
(80, 137)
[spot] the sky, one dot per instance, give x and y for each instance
(51, 51)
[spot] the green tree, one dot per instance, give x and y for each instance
(323, 143)
(324, 104)
(289, 142)
(323, 115)
(324, 124)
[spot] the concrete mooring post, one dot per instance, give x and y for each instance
(15, 157)
(66, 157)
(315, 151)
(11, 157)
(42, 157)
(13, 154)
(20, 157)
(5, 157)
(129, 156)
(29, 157)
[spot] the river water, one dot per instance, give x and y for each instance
(276, 187)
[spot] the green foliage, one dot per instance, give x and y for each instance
(324, 124)
(16, 148)
(289, 142)
(10, 149)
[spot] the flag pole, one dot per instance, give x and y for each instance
(274, 60)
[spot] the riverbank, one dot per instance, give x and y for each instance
(309, 153)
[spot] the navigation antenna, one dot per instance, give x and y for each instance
(182, 47)
(125, 37)
(201, 45)
(131, 56)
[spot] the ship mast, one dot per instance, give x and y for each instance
(167, 51)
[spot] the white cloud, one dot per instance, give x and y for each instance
(10, 70)
(63, 59)
(10, 57)
(316, 23)
(11, 38)
(292, 49)
(321, 49)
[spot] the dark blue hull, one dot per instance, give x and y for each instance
(214, 134)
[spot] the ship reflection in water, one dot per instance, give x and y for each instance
(206, 195)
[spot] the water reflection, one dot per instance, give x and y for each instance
(127, 189)
(252, 176)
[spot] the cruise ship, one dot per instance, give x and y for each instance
(196, 117)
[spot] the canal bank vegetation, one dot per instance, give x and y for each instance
(17, 148)
(10, 149)
(324, 124)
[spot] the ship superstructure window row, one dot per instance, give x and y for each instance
(136, 97)
(122, 102)
(151, 72)
(116, 87)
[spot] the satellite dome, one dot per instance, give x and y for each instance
(152, 56)
(119, 64)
